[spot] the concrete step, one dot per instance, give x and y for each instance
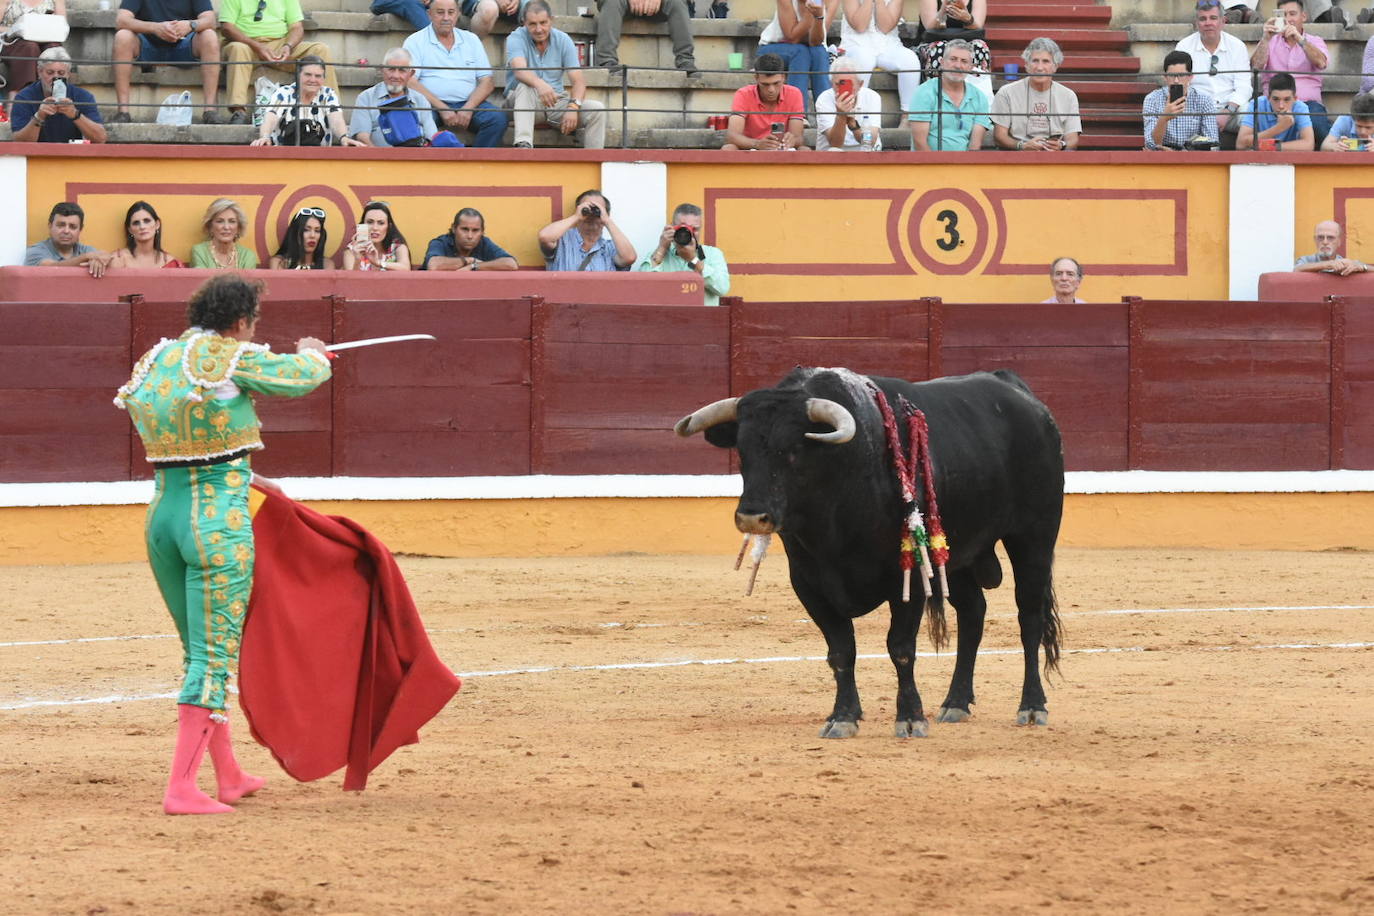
(1107, 65)
(1050, 18)
(1000, 39)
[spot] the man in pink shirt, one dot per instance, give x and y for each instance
(769, 115)
(1286, 47)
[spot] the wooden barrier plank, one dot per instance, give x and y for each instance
(1021, 325)
(455, 453)
(1203, 360)
(436, 364)
(467, 319)
(763, 362)
(904, 319)
(295, 454)
(66, 324)
(1233, 447)
(571, 362)
(1359, 424)
(644, 324)
(630, 451)
(1236, 401)
(467, 408)
(1206, 320)
(615, 405)
(65, 366)
(48, 457)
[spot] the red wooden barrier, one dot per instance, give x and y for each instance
(611, 380)
(1074, 357)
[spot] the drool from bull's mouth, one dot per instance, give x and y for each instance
(760, 544)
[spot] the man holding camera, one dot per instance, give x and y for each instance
(588, 239)
(51, 110)
(1287, 47)
(1178, 116)
(680, 248)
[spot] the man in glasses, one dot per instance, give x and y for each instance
(264, 31)
(1327, 258)
(1221, 68)
(166, 30)
(1176, 117)
(949, 114)
(368, 125)
(1287, 47)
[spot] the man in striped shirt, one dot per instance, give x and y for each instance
(1175, 116)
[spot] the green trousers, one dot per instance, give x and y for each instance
(200, 545)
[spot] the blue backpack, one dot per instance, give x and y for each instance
(399, 123)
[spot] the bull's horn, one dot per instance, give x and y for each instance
(819, 410)
(708, 416)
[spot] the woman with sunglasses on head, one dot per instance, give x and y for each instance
(224, 225)
(303, 246)
(379, 245)
(305, 112)
(143, 241)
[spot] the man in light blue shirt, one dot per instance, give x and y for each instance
(588, 239)
(542, 61)
(396, 70)
(679, 248)
(458, 94)
(948, 114)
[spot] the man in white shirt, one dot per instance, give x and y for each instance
(847, 110)
(1221, 68)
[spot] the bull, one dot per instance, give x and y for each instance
(818, 471)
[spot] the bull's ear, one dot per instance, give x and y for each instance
(722, 435)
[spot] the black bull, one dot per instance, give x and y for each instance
(818, 471)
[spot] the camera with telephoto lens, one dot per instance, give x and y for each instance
(683, 235)
(591, 211)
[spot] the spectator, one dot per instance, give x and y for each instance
(63, 247)
(414, 12)
(19, 56)
(378, 245)
(161, 31)
(393, 91)
(588, 239)
(1066, 275)
(55, 116)
(861, 107)
(272, 32)
(680, 248)
(224, 225)
(769, 114)
(1241, 11)
(1170, 123)
(482, 14)
(1367, 64)
(946, 20)
(610, 17)
(466, 247)
(797, 35)
(869, 37)
(1282, 118)
(949, 113)
(1354, 131)
(1036, 113)
(459, 95)
(1221, 68)
(303, 246)
(305, 113)
(1327, 258)
(1287, 47)
(143, 241)
(551, 64)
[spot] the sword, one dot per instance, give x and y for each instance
(372, 341)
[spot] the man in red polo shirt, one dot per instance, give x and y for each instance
(768, 115)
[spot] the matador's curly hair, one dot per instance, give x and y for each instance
(222, 300)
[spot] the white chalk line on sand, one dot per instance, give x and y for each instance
(765, 660)
(609, 625)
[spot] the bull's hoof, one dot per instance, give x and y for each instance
(952, 714)
(836, 728)
(912, 728)
(1032, 717)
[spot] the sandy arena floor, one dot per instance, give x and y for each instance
(1215, 760)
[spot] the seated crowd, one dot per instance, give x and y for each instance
(586, 240)
(440, 82)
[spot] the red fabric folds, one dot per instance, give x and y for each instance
(335, 668)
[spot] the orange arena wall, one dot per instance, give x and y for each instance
(802, 226)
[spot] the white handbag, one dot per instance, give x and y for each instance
(42, 28)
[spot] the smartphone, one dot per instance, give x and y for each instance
(59, 89)
(843, 86)
(776, 129)
(360, 235)
(1277, 22)
(1175, 92)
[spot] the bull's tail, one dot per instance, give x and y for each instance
(1052, 632)
(935, 614)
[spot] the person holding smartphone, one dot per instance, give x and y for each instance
(52, 110)
(849, 115)
(769, 115)
(1177, 114)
